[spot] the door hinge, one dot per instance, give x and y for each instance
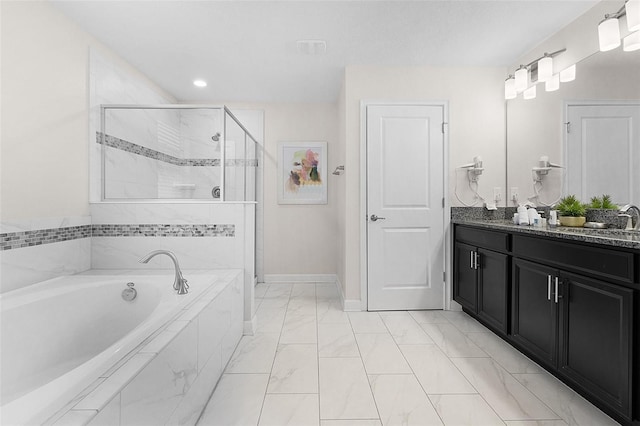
(568, 124)
(443, 202)
(443, 124)
(444, 276)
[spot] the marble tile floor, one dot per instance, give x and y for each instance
(310, 363)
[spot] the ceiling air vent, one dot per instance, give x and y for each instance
(311, 47)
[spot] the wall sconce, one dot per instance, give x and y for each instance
(538, 71)
(609, 28)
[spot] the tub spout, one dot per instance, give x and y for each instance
(180, 283)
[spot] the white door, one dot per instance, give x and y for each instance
(405, 213)
(603, 151)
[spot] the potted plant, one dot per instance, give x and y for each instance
(571, 211)
(602, 210)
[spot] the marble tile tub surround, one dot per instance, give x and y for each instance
(117, 233)
(381, 368)
(39, 249)
(168, 378)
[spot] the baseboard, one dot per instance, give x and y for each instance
(249, 327)
(299, 278)
(348, 305)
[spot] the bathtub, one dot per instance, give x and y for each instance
(63, 339)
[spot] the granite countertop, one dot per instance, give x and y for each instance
(610, 237)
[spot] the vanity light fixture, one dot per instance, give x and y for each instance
(510, 91)
(631, 42)
(553, 83)
(568, 74)
(527, 76)
(545, 68)
(609, 33)
(609, 28)
(632, 9)
(521, 78)
(199, 83)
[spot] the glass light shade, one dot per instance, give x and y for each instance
(522, 79)
(609, 34)
(199, 83)
(530, 93)
(545, 68)
(553, 83)
(510, 88)
(631, 42)
(632, 8)
(568, 74)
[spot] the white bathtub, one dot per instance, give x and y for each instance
(58, 337)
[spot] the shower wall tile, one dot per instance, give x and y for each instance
(110, 84)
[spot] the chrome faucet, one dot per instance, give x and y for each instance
(626, 209)
(180, 283)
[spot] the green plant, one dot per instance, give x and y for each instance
(571, 206)
(603, 202)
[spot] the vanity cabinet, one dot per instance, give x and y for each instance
(579, 324)
(535, 313)
(568, 305)
(481, 276)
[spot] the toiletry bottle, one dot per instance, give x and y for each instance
(523, 216)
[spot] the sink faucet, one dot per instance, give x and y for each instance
(180, 283)
(626, 209)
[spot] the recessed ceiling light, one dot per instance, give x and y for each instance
(199, 83)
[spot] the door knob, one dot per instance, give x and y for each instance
(374, 218)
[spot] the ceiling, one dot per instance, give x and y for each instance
(246, 50)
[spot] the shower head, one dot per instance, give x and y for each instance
(216, 137)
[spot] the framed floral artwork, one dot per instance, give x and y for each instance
(302, 173)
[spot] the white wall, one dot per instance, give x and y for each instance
(300, 239)
(476, 127)
(45, 115)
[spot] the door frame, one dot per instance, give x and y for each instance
(364, 279)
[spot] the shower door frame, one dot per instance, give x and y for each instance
(222, 108)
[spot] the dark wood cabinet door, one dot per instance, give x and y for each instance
(493, 279)
(596, 339)
(465, 288)
(534, 311)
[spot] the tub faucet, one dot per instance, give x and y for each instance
(180, 283)
(626, 209)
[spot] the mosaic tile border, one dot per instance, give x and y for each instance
(159, 230)
(123, 145)
(15, 240)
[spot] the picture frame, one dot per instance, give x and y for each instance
(302, 173)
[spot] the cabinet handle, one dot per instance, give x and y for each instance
(471, 264)
(549, 287)
(557, 295)
(477, 256)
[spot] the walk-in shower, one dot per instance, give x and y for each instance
(152, 152)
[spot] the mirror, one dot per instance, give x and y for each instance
(537, 128)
